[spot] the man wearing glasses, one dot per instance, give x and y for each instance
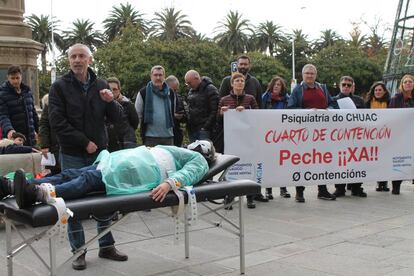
(311, 94)
(202, 101)
(155, 108)
(347, 89)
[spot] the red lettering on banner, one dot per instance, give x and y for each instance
(313, 157)
(293, 135)
(356, 154)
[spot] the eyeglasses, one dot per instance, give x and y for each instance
(346, 85)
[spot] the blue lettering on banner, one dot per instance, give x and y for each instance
(259, 172)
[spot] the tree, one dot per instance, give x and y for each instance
(232, 36)
(376, 40)
(303, 51)
(268, 36)
(83, 32)
(342, 59)
(130, 59)
(42, 32)
(357, 38)
(328, 38)
(265, 67)
(170, 24)
(120, 17)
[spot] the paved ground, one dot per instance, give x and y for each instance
(350, 236)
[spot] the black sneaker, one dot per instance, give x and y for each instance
(79, 263)
(325, 195)
(250, 204)
(360, 192)
(299, 198)
(339, 193)
(260, 197)
(284, 193)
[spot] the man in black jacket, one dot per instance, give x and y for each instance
(252, 85)
(78, 105)
(347, 89)
(17, 111)
(122, 134)
(202, 106)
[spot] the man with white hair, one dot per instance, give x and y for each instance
(78, 105)
(202, 101)
(311, 94)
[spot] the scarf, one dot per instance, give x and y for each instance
(374, 104)
(164, 94)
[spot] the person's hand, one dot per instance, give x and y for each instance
(159, 192)
(10, 133)
(45, 152)
(223, 109)
(36, 150)
(91, 147)
(106, 95)
(240, 108)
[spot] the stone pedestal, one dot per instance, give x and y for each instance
(16, 44)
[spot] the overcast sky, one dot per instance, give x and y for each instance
(310, 16)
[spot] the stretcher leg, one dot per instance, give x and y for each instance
(241, 237)
(52, 252)
(9, 248)
(186, 234)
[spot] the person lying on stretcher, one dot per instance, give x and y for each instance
(122, 172)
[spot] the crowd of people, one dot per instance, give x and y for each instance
(83, 116)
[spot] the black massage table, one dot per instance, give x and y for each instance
(100, 205)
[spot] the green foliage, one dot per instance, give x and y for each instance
(171, 24)
(62, 65)
(233, 34)
(120, 17)
(264, 68)
(342, 59)
(130, 59)
(44, 83)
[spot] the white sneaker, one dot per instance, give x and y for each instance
(48, 192)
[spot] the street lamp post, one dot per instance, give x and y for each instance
(293, 82)
(53, 67)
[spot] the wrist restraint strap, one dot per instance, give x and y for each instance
(60, 228)
(192, 206)
(176, 210)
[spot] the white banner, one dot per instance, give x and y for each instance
(308, 147)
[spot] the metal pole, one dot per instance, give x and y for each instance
(186, 234)
(293, 57)
(9, 249)
(52, 252)
(53, 68)
(241, 237)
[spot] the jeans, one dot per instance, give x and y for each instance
(75, 183)
(198, 135)
(75, 229)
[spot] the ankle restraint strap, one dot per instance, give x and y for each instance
(60, 227)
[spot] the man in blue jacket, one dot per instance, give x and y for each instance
(311, 94)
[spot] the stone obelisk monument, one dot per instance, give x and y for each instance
(16, 44)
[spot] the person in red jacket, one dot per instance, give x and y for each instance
(239, 100)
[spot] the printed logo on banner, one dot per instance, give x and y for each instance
(402, 164)
(259, 172)
(242, 170)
